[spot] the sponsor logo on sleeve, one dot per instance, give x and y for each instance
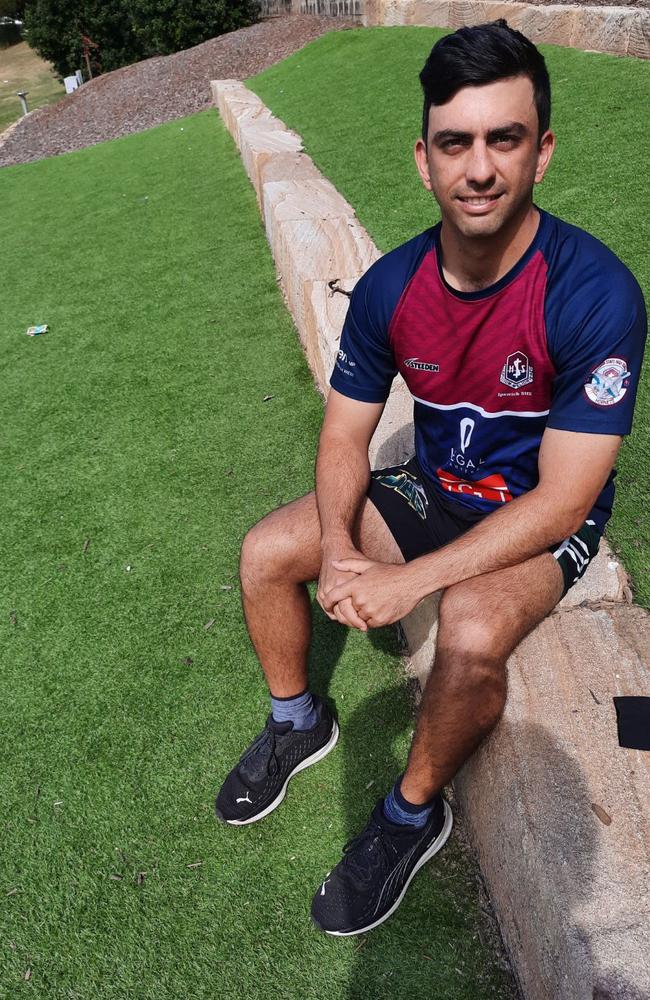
(608, 382)
(342, 360)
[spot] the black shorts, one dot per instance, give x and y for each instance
(421, 520)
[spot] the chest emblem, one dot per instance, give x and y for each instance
(517, 370)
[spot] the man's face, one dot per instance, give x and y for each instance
(483, 156)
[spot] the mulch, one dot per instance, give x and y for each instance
(158, 90)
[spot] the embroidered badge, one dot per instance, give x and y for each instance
(517, 370)
(608, 382)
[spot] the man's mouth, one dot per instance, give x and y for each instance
(479, 200)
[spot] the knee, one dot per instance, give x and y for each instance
(255, 559)
(266, 554)
(471, 639)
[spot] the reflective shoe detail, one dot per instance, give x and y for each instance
(369, 883)
(258, 784)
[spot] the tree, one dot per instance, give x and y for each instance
(126, 31)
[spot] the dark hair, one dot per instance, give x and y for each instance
(471, 57)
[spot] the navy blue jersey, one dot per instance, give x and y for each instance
(557, 342)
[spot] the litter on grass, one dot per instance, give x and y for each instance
(35, 331)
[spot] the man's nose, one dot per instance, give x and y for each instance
(480, 169)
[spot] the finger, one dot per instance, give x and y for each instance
(340, 593)
(339, 616)
(352, 565)
(348, 610)
(325, 606)
(326, 602)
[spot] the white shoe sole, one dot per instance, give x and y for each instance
(439, 842)
(307, 762)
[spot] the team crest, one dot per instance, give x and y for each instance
(608, 383)
(517, 370)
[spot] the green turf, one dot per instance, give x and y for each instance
(137, 448)
(355, 98)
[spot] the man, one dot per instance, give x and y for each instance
(520, 338)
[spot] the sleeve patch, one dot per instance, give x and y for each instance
(608, 382)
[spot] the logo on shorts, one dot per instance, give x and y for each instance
(517, 370)
(608, 382)
(407, 486)
(493, 488)
(421, 366)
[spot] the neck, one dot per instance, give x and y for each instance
(472, 263)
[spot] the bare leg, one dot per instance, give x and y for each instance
(279, 556)
(481, 621)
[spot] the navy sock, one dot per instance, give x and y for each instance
(399, 810)
(299, 709)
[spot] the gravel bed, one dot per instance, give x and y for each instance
(158, 90)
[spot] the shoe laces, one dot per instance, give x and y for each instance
(364, 854)
(260, 756)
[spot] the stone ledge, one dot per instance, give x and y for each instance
(568, 882)
(621, 30)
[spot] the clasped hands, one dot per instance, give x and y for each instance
(364, 594)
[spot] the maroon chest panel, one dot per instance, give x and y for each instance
(489, 352)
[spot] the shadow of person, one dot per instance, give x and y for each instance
(540, 861)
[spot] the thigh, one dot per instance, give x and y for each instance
(290, 538)
(495, 611)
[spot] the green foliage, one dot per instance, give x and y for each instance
(125, 32)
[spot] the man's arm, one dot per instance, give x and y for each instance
(573, 468)
(342, 477)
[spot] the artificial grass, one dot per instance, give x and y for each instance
(355, 98)
(137, 448)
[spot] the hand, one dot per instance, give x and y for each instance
(330, 578)
(381, 593)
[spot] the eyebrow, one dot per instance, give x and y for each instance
(509, 128)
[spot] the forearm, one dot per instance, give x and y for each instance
(518, 531)
(342, 477)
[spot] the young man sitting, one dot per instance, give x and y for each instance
(520, 338)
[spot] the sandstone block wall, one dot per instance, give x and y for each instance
(623, 29)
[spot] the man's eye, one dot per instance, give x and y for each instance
(505, 141)
(453, 144)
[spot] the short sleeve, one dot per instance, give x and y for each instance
(598, 352)
(365, 366)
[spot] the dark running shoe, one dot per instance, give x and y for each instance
(257, 785)
(377, 867)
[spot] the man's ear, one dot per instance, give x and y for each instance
(422, 163)
(544, 154)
